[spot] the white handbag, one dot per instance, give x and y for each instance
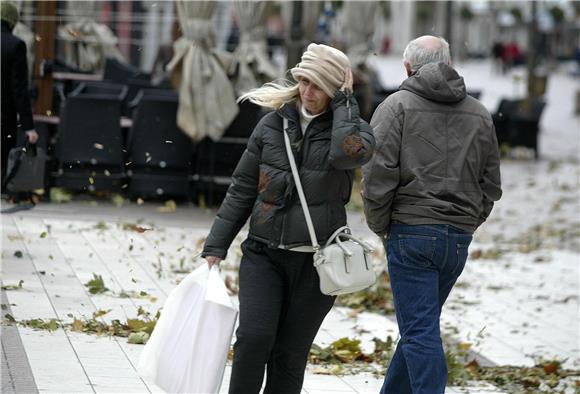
(344, 265)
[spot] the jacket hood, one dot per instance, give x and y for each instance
(436, 82)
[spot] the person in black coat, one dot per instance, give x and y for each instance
(16, 108)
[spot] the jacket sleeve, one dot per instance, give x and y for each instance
(239, 201)
(490, 181)
(381, 173)
(20, 87)
(352, 143)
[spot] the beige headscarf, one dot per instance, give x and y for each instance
(324, 65)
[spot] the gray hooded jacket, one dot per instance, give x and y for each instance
(436, 159)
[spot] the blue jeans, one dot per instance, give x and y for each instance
(424, 263)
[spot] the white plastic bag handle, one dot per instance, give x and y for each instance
(216, 288)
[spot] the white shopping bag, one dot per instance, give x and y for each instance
(188, 348)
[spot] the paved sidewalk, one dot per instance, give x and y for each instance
(54, 268)
(81, 240)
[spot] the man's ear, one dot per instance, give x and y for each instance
(408, 68)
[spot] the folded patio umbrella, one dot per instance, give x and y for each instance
(86, 44)
(207, 104)
(358, 35)
(251, 60)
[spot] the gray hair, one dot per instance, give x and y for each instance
(417, 55)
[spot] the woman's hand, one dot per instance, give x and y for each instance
(348, 80)
(212, 260)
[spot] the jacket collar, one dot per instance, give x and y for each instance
(290, 112)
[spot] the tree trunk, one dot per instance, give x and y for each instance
(532, 60)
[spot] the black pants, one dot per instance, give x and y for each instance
(281, 310)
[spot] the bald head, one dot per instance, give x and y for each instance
(425, 50)
(428, 42)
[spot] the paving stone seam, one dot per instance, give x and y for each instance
(136, 261)
(13, 352)
(91, 301)
(54, 308)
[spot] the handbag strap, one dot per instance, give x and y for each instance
(294, 168)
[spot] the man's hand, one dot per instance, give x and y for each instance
(348, 80)
(32, 136)
(212, 260)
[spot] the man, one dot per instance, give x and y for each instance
(432, 181)
(16, 109)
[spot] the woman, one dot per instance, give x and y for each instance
(281, 306)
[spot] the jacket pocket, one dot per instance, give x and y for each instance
(462, 253)
(272, 184)
(417, 250)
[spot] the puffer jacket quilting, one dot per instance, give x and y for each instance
(334, 144)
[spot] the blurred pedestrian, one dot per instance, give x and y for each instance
(512, 56)
(433, 181)
(497, 54)
(16, 108)
(281, 305)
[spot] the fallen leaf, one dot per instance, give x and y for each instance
(13, 287)
(96, 285)
(170, 206)
(473, 365)
(9, 317)
(77, 325)
(551, 367)
(100, 313)
(138, 338)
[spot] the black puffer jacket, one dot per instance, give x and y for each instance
(335, 143)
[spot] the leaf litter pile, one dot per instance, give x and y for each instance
(344, 357)
(137, 330)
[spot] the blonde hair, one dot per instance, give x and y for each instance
(273, 94)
